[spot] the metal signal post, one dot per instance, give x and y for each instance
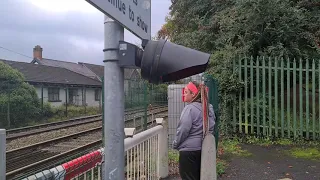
(113, 102)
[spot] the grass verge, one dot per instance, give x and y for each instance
(311, 153)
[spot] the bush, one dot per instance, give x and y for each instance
(59, 113)
(20, 100)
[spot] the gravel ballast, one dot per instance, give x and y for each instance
(37, 138)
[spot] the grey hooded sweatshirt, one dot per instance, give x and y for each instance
(189, 133)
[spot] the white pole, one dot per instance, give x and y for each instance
(163, 168)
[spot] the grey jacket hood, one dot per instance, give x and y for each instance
(189, 133)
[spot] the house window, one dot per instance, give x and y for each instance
(53, 94)
(97, 94)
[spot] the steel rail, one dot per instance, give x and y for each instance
(51, 141)
(55, 140)
(16, 130)
(59, 125)
(23, 129)
(49, 128)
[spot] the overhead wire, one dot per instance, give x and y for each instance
(1, 47)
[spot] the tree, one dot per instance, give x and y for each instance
(227, 28)
(280, 28)
(18, 100)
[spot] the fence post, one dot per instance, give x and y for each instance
(2, 154)
(213, 85)
(163, 168)
(145, 123)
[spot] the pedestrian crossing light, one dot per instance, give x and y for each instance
(163, 61)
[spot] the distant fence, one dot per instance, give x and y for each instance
(139, 92)
(280, 97)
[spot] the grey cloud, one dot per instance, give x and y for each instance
(23, 26)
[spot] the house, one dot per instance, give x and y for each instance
(58, 85)
(132, 76)
(60, 82)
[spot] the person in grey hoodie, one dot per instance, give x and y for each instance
(189, 135)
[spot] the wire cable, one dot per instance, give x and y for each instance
(15, 52)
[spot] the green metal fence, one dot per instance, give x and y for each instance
(280, 97)
(140, 93)
(134, 93)
(213, 86)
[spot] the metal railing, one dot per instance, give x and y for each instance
(147, 153)
(146, 157)
(280, 97)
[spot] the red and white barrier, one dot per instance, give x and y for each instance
(82, 164)
(72, 168)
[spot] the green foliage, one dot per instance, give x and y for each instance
(157, 93)
(24, 103)
(141, 93)
(173, 156)
(9, 78)
(58, 113)
(18, 97)
(306, 153)
(230, 28)
(190, 24)
(259, 141)
(272, 28)
(55, 114)
(232, 146)
(269, 141)
(275, 112)
(221, 166)
(229, 86)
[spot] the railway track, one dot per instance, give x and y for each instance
(131, 121)
(32, 130)
(24, 159)
(46, 154)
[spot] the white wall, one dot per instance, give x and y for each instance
(90, 96)
(62, 95)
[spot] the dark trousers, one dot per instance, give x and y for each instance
(189, 165)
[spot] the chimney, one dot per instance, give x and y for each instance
(37, 52)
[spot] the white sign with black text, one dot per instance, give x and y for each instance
(134, 15)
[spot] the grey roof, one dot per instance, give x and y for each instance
(99, 71)
(77, 68)
(36, 73)
(93, 71)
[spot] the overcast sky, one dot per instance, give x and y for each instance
(68, 30)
